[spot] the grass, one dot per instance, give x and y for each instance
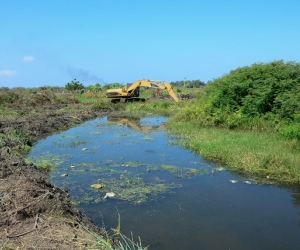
(156, 106)
(105, 243)
(84, 98)
(264, 155)
(6, 113)
(16, 141)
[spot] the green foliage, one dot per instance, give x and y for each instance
(188, 84)
(105, 104)
(290, 131)
(112, 86)
(74, 85)
(21, 97)
(7, 96)
(94, 88)
(16, 140)
(101, 104)
(268, 92)
(156, 106)
(259, 89)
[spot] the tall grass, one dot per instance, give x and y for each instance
(16, 141)
(105, 243)
(262, 155)
(155, 106)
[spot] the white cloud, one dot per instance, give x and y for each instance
(7, 72)
(28, 58)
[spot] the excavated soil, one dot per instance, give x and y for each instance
(34, 214)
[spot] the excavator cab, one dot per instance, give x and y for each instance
(136, 91)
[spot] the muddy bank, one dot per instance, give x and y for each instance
(33, 212)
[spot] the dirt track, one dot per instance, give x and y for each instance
(34, 214)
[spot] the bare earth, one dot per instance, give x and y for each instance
(34, 214)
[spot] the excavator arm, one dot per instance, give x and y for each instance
(171, 90)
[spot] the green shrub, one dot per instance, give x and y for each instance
(290, 131)
(268, 92)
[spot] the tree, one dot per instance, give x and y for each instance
(74, 85)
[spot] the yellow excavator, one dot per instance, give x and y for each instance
(131, 92)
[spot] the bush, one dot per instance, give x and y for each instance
(259, 89)
(290, 131)
(269, 92)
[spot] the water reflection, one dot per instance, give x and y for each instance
(165, 194)
(135, 123)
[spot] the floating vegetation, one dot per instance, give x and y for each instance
(72, 144)
(136, 190)
(96, 133)
(75, 203)
(123, 135)
(48, 160)
(190, 172)
(97, 186)
(113, 142)
(88, 197)
(136, 178)
(69, 136)
(170, 168)
(148, 138)
(132, 164)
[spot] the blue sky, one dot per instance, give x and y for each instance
(49, 43)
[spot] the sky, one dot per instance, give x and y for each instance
(50, 43)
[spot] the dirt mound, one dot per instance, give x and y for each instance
(33, 212)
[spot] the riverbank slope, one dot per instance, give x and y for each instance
(33, 212)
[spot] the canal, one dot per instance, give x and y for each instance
(165, 194)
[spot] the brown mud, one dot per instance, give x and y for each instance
(34, 214)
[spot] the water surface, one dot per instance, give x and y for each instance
(167, 195)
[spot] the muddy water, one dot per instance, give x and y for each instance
(170, 197)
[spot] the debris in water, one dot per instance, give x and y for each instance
(109, 195)
(84, 149)
(98, 200)
(64, 175)
(233, 181)
(97, 186)
(247, 182)
(72, 166)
